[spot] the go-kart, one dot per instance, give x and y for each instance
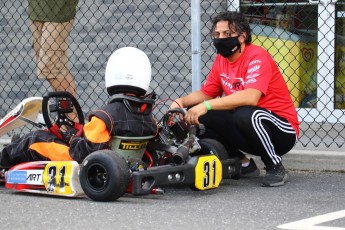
(137, 165)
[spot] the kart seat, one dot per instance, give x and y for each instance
(130, 148)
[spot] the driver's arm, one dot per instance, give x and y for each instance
(96, 136)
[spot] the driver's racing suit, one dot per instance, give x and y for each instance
(112, 119)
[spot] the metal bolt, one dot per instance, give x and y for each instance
(178, 176)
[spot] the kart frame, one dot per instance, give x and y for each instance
(173, 157)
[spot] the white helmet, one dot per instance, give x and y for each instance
(128, 70)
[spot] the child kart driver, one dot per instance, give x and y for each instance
(128, 72)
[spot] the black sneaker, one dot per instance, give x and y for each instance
(276, 175)
(251, 170)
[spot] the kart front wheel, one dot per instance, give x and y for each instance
(211, 146)
(104, 176)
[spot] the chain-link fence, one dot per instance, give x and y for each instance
(306, 39)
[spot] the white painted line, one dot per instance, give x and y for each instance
(309, 224)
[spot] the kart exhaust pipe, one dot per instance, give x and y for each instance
(181, 155)
(182, 151)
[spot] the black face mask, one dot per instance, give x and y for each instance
(226, 46)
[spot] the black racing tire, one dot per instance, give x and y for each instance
(211, 146)
(208, 147)
(104, 176)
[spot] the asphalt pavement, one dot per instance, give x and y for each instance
(313, 198)
(310, 200)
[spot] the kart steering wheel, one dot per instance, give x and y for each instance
(173, 121)
(55, 109)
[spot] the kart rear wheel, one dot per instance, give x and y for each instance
(104, 176)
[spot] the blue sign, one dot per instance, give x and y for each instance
(16, 177)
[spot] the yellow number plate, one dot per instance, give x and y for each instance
(208, 172)
(57, 177)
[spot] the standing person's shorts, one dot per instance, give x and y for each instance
(50, 42)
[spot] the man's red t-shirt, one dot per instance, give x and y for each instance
(255, 69)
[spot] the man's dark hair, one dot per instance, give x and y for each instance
(236, 20)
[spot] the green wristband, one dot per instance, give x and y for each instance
(207, 104)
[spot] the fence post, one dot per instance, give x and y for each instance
(196, 44)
